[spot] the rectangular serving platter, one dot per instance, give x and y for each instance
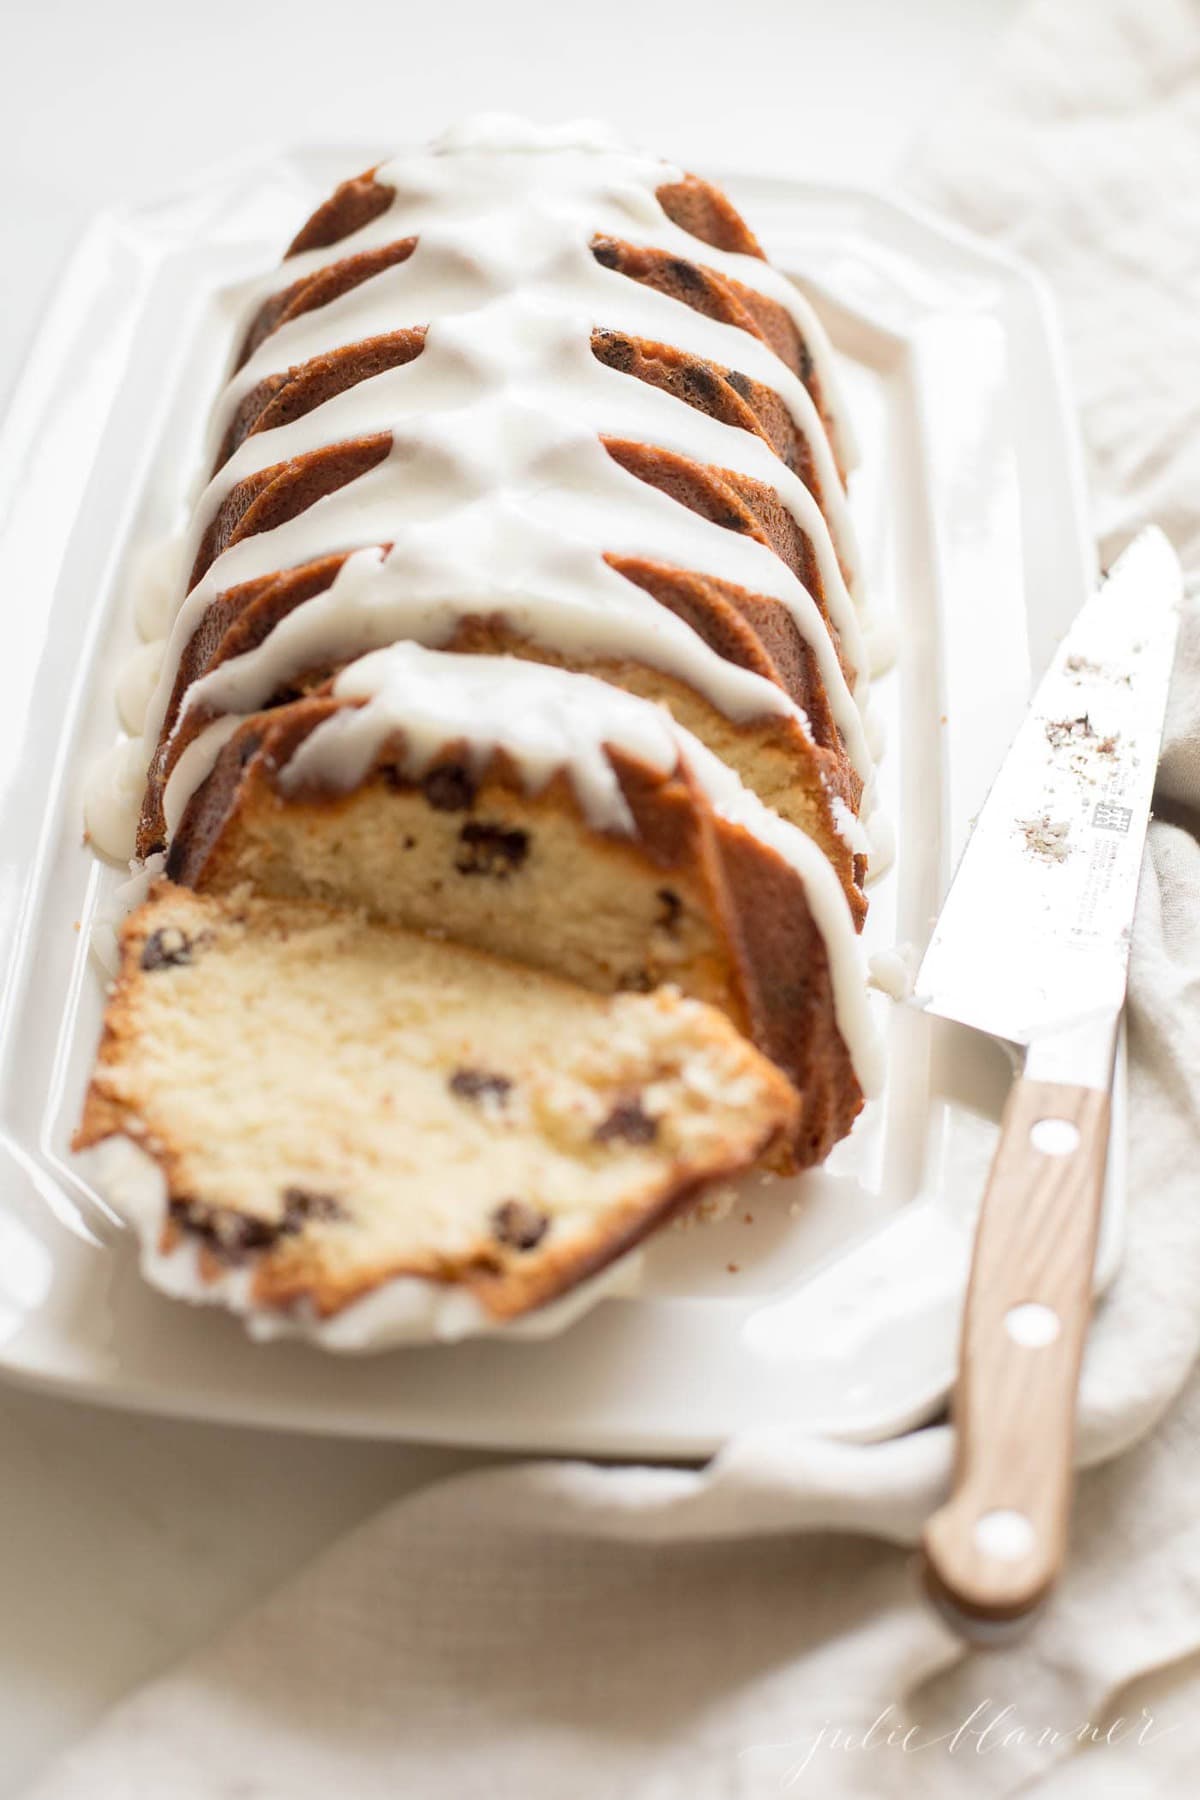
(827, 1304)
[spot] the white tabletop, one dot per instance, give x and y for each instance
(124, 1541)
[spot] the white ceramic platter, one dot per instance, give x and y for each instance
(830, 1303)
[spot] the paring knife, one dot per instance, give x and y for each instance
(1032, 946)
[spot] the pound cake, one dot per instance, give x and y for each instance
(319, 1138)
(550, 818)
(521, 614)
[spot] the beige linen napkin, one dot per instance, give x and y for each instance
(564, 1632)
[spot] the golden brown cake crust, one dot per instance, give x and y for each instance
(772, 754)
(774, 979)
(303, 1244)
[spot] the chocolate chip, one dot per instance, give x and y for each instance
(250, 746)
(491, 850)
(806, 363)
(232, 1235)
(687, 275)
(670, 910)
(700, 385)
(615, 351)
(519, 1225)
(636, 981)
(302, 1204)
(167, 948)
(477, 1084)
(629, 1122)
(741, 384)
(606, 252)
(229, 1234)
(449, 788)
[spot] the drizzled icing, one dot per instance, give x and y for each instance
(498, 497)
(546, 720)
(376, 599)
(497, 486)
(112, 797)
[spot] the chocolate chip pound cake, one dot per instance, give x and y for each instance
(521, 610)
(550, 818)
(323, 1105)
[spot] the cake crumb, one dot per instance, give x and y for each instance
(1069, 731)
(717, 1204)
(711, 1208)
(734, 1268)
(1046, 838)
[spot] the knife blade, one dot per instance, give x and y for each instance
(1032, 946)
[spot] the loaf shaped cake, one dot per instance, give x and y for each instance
(521, 610)
(315, 1139)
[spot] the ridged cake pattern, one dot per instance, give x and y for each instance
(488, 480)
(496, 486)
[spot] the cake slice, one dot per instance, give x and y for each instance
(556, 820)
(333, 1105)
(723, 667)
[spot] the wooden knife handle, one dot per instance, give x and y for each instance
(995, 1548)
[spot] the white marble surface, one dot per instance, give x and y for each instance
(124, 1541)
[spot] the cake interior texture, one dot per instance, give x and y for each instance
(342, 1102)
(639, 859)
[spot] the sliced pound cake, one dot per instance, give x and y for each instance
(548, 817)
(520, 617)
(333, 1104)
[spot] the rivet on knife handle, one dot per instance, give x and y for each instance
(995, 1548)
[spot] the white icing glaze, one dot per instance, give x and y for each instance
(853, 828)
(137, 679)
(881, 642)
(496, 485)
(495, 133)
(155, 578)
(104, 939)
(894, 972)
(376, 599)
(193, 765)
(881, 843)
(112, 799)
(548, 719)
(407, 1310)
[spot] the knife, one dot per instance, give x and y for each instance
(1032, 946)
